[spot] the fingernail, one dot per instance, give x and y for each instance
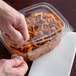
(27, 38)
(20, 57)
(13, 56)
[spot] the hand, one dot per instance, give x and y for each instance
(13, 67)
(12, 23)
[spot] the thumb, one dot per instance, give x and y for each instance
(16, 61)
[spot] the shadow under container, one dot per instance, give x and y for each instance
(46, 27)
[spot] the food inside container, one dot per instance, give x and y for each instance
(45, 29)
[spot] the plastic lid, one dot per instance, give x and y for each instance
(42, 24)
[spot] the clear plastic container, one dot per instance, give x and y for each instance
(46, 27)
